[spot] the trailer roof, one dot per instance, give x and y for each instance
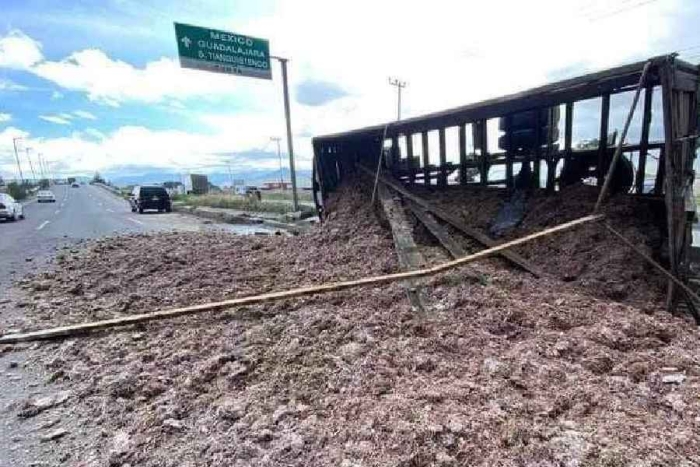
(582, 87)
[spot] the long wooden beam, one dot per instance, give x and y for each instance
(426, 157)
(687, 290)
(446, 217)
(75, 329)
(437, 230)
(603, 138)
(618, 151)
(442, 178)
(644, 140)
(406, 249)
(462, 154)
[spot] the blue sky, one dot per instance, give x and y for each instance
(95, 85)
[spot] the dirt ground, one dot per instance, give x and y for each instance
(580, 368)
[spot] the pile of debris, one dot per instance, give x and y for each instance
(502, 369)
(587, 257)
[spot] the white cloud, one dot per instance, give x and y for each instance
(4, 117)
(506, 47)
(8, 163)
(56, 95)
(84, 114)
(57, 119)
(90, 150)
(94, 133)
(7, 85)
(19, 51)
(113, 82)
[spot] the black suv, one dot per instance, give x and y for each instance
(150, 197)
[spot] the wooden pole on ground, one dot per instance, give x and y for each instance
(379, 162)
(75, 329)
(618, 150)
(692, 295)
(410, 257)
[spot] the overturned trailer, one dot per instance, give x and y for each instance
(526, 141)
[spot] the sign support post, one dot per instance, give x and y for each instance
(287, 116)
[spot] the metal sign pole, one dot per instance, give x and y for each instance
(292, 173)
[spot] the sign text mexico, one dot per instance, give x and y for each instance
(222, 52)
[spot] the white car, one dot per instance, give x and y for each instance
(9, 208)
(45, 196)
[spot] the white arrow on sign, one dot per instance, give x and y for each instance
(187, 41)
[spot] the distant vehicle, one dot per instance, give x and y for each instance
(249, 191)
(75, 185)
(45, 196)
(9, 208)
(150, 197)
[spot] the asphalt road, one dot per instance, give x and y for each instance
(82, 213)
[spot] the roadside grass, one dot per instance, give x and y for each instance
(287, 195)
(237, 202)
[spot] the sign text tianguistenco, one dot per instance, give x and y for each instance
(223, 52)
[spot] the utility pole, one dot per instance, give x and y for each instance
(31, 166)
(399, 86)
(290, 147)
(277, 140)
(19, 166)
(230, 175)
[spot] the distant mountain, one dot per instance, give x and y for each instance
(154, 175)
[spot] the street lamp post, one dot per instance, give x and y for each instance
(31, 166)
(19, 166)
(42, 173)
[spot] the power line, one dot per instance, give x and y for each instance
(621, 10)
(592, 6)
(693, 47)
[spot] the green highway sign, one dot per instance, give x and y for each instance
(222, 52)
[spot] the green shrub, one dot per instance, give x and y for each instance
(239, 202)
(16, 190)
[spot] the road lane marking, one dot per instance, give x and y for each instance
(109, 210)
(43, 224)
(57, 211)
(134, 220)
